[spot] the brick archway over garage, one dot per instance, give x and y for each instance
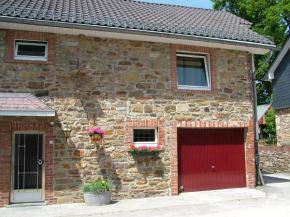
(249, 147)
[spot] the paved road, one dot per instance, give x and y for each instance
(275, 204)
(272, 200)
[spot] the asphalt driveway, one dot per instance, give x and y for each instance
(270, 200)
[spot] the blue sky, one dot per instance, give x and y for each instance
(192, 3)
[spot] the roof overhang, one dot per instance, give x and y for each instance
(270, 74)
(28, 113)
(130, 34)
(23, 104)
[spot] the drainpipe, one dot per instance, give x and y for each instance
(259, 178)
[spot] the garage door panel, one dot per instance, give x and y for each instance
(211, 159)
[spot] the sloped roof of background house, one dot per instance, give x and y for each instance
(261, 110)
(137, 15)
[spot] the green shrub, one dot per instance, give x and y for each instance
(97, 186)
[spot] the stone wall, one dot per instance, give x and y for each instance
(119, 81)
(275, 159)
(283, 126)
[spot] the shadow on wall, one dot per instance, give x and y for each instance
(76, 160)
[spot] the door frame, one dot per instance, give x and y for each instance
(12, 167)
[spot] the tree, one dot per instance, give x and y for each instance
(270, 123)
(270, 18)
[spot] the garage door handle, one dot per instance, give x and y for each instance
(213, 168)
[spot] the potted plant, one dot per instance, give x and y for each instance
(97, 193)
(144, 151)
(96, 133)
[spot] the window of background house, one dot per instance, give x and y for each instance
(30, 50)
(145, 136)
(193, 71)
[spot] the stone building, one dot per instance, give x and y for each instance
(279, 75)
(172, 76)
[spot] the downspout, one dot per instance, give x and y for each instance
(259, 178)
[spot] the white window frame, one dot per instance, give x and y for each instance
(206, 58)
(149, 144)
(33, 43)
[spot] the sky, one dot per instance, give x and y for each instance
(191, 3)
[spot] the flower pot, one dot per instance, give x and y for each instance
(145, 153)
(96, 137)
(97, 199)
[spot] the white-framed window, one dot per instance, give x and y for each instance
(30, 50)
(193, 71)
(145, 136)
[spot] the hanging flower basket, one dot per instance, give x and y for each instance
(144, 151)
(96, 134)
(96, 137)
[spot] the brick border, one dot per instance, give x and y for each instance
(5, 163)
(249, 147)
(130, 124)
(12, 35)
(213, 67)
(6, 132)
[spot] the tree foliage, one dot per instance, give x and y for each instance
(270, 18)
(270, 123)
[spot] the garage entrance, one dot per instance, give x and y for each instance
(211, 159)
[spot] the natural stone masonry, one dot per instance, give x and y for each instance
(283, 126)
(122, 82)
(275, 159)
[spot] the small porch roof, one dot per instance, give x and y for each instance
(23, 104)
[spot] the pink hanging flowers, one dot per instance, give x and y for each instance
(96, 130)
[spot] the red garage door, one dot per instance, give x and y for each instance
(211, 159)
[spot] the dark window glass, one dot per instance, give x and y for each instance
(191, 71)
(144, 135)
(36, 50)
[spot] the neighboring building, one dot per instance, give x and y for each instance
(279, 75)
(261, 116)
(172, 76)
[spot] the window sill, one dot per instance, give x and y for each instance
(137, 144)
(193, 88)
(42, 59)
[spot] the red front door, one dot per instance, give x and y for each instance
(211, 159)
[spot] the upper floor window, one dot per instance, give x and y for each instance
(193, 71)
(30, 50)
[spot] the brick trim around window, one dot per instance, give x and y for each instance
(213, 67)
(12, 35)
(249, 146)
(131, 124)
(6, 132)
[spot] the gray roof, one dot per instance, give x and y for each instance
(23, 104)
(261, 110)
(137, 15)
(270, 74)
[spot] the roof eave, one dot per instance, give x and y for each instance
(135, 31)
(270, 74)
(27, 113)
